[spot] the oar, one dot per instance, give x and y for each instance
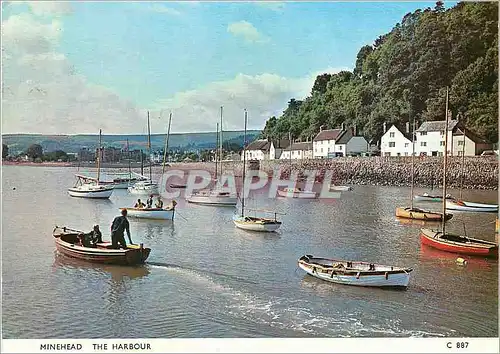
(177, 213)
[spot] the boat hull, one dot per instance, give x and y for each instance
(419, 214)
(212, 200)
(381, 276)
(473, 248)
(260, 225)
(144, 213)
(130, 256)
(340, 188)
(300, 194)
(96, 194)
(472, 207)
(143, 190)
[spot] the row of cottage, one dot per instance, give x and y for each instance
(395, 141)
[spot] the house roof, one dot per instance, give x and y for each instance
(329, 134)
(300, 146)
(437, 125)
(471, 135)
(281, 143)
(343, 138)
(260, 144)
(402, 130)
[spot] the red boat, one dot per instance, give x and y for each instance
(458, 244)
(68, 243)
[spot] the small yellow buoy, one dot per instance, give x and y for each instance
(461, 261)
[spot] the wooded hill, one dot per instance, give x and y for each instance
(404, 74)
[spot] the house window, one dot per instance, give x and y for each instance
(328, 149)
(321, 150)
(406, 145)
(315, 149)
(340, 147)
(441, 132)
(391, 135)
(460, 153)
(423, 143)
(398, 154)
(441, 143)
(440, 153)
(387, 154)
(423, 133)
(460, 142)
(392, 144)
(406, 154)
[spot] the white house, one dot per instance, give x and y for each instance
(257, 150)
(324, 143)
(347, 144)
(396, 141)
(469, 143)
(276, 148)
(298, 151)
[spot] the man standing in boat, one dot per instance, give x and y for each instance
(118, 227)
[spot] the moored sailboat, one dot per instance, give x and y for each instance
(91, 189)
(444, 241)
(147, 187)
(251, 223)
(418, 213)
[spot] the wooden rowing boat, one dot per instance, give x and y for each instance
(68, 244)
(355, 273)
(420, 214)
(151, 213)
(461, 205)
(458, 244)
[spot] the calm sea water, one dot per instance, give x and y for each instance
(205, 278)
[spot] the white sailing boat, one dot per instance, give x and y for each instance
(147, 187)
(216, 197)
(91, 189)
(252, 223)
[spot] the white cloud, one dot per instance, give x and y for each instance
(277, 6)
(165, 10)
(47, 8)
(262, 95)
(247, 31)
(41, 92)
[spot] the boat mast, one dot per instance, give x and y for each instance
(216, 147)
(166, 144)
(445, 159)
(221, 141)
(244, 166)
(149, 149)
(463, 167)
(99, 158)
(412, 162)
(142, 164)
(129, 167)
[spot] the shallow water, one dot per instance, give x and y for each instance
(205, 278)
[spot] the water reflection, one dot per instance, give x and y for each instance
(449, 259)
(118, 273)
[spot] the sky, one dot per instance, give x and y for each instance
(77, 67)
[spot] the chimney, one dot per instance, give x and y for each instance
(355, 131)
(342, 126)
(385, 127)
(320, 129)
(407, 127)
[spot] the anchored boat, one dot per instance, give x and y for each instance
(296, 193)
(85, 189)
(420, 214)
(355, 273)
(461, 205)
(67, 243)
(153, 213)
(431, 198)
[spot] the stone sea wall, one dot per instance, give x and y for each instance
(480, 172)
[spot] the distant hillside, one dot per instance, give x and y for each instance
(18, 143)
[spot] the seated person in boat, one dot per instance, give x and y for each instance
(92, 238)
(159, 203)
(139, 204)
(149, 202)
(118, 227)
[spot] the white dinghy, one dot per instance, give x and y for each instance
(461, 205)
(355, 273)
(153, 213)
(296, 193)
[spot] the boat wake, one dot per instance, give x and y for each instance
(295, 315)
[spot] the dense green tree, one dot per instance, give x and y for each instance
(35, 151)
(5, 151)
